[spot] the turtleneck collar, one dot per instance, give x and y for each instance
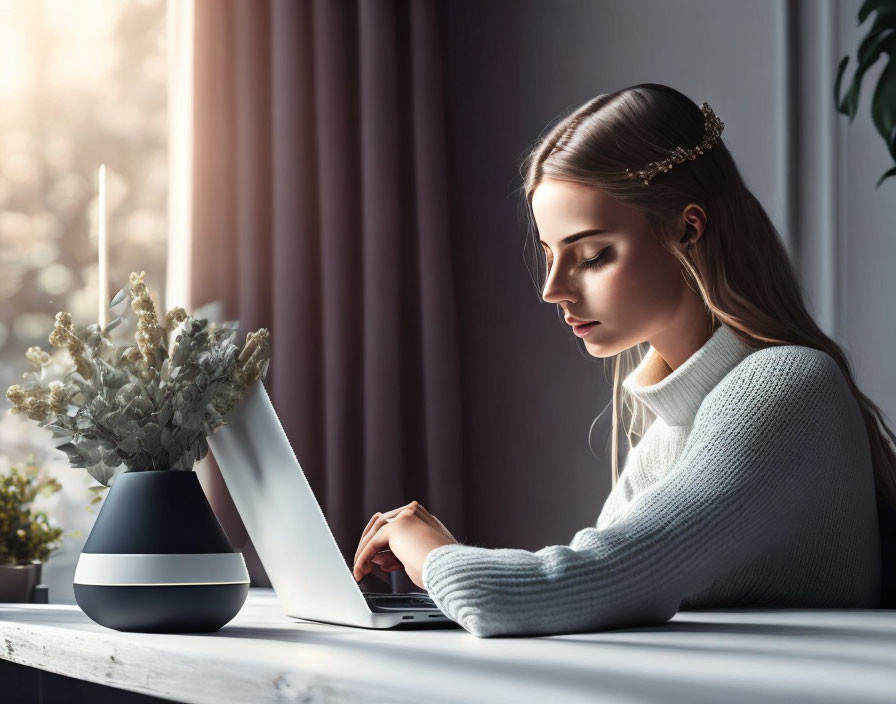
(677, 396)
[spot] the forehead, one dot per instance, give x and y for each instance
(562, 208)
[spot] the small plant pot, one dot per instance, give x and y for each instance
(157, 559)
(17, 582)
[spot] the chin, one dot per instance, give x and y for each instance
(599, 351)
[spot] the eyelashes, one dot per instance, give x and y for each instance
(595, 262)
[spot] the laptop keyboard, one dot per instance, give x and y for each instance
(399, 602)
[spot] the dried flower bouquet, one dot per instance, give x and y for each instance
(143, 406)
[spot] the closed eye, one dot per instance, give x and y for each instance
(595, 262)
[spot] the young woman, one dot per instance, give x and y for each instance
(760, 469)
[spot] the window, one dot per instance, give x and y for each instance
(82, 83)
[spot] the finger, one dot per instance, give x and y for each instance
(395, 511)
(379, 522)
(378, 515)
(381, 574)
(370, 523)
(387, 561)
(373, 519)
(376, 542)
(383, 555)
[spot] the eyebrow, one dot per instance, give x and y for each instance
(578, 236)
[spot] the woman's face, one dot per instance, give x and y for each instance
(634, 290)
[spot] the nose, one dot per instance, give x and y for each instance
(558, 288)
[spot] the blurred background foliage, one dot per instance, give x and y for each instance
(81, 83)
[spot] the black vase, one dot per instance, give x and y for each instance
(157, 559)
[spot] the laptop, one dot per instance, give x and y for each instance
(287, 526)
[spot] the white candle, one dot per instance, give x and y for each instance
(103, 253)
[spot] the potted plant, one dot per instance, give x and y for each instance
(136, 417)
(27, 536)
(881, 39)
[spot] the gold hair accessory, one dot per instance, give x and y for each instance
(711, 130)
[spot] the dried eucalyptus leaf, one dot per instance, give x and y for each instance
(113, 378)
(104, 473)
(110, 457)
(119, 297)
(150, 446)
(131, 428)
(79, 381)
(129, 445)
(139, 407)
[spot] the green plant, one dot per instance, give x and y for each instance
(26, 535)
(880, 39)
(144, 406)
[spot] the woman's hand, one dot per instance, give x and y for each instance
(400, 538)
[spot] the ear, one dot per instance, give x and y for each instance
(693, 219)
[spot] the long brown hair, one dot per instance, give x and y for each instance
(740, 267)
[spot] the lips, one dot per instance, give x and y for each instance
(582, 330)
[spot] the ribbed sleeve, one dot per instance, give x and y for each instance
(766, 443)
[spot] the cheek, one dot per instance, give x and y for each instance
(659, 278)
(635, 284)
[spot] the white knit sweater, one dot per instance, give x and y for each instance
(752, 487)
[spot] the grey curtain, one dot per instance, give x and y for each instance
(320, 212)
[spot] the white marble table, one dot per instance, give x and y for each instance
(264, 656)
